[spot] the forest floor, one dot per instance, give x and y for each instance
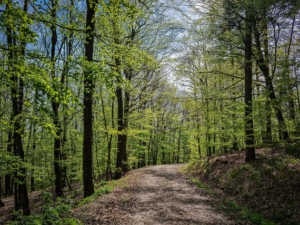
(217, 190)
(154, 195)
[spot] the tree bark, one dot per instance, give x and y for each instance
(8, 189)
(17, 96)
(128, 76)
(249, 133)
(88, 185)
(120, 125)
(55, 108)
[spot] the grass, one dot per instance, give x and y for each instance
(106, 189)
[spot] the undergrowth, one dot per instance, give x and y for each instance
(101, 191)
(53, 212)
(233, 207)
(266, 191)
(49, 213)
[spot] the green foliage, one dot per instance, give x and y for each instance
(49, 214)
(106, 189)
(199, 183)
(293, 148)
(19, 219)
(276, 163)
(102, 183)
(252, 217)
(50, 218)
(197, 165)
(10, 164)
(51, 211)
(167, 122)
(69, 221)
(46, 196)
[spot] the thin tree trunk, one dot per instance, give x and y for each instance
(64, 82)
(8, 190)
(198, 135)
(268, 136)
(292, 108)
(249, 133)
(179, 140)
(33, 150)
(109, 143)
(58, 190)
(263, 64)
(120, 125)
(128, 76)
(235, 146)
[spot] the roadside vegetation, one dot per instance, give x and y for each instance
(49, 210)
(266, 191)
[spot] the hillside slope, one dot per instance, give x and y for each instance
(269, 186)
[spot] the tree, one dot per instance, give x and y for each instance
(88, 185)
(249, 133)
(262, 60)
(55, 105)
(17, 42)
(226, 23)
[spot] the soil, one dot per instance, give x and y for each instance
(153, 195)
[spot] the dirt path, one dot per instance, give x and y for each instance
(156, 195)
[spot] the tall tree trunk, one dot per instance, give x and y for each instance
(263, 64)
(128, 76)
(17, 96)
(64, 83)
(120, 125)
(33, 150)
(208, 135)
(109, 171)
(125, 165)
(197, 126)
(235, 146)
(249, 133)
(292, 107)
(108, 136)
(88, 185)
(55, 107)
(179, 139)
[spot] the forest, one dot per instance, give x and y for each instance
(93, 89)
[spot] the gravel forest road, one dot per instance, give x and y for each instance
(155, 195)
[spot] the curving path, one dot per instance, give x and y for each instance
(156, 195)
